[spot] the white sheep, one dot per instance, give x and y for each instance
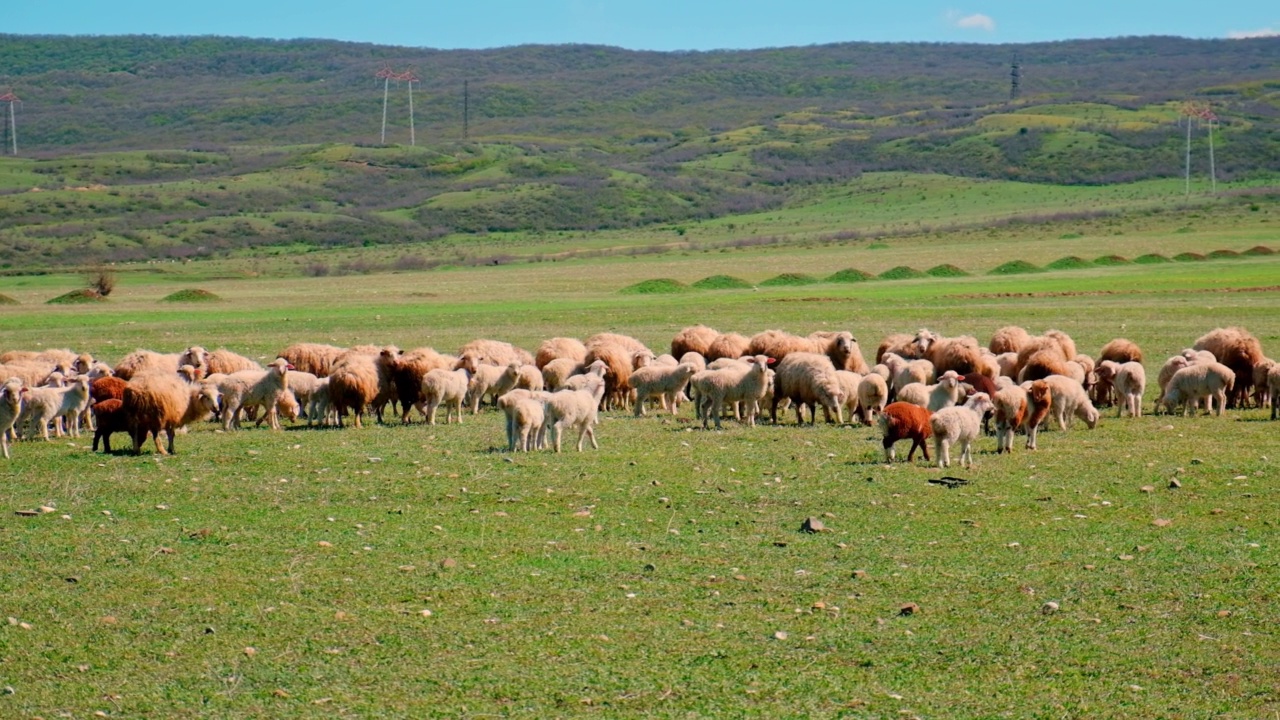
(1010, 411)
(903, 372)
(743, 382)
(556, 371)
(265, 392)
(491, 380)
(946, 393)
(526, 415)
(959, 424)
(915, 394)
(873, 393)
(583, 381)
(11, 398)
(46, 404)
(576, 409)
(1130, 383)
(1207, 381)
(666, 383)
(849, 382)
(1069, 400)
(444, 387)
(808, 379)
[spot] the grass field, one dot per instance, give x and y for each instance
(262, 574)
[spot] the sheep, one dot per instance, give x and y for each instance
(910, 347)
(1008, 364)
(946, 392)
(1070, 400)
(1052, 348)
(873, 393)
(626, 342)
(107, 388)
(664, 383)
(746, 383)
(728, 345)
(1273, 385)
(1171, 366)
(842, 348)
(529, 377)
(977, 382)
(958, 424)
(1121, 350)
(493, 381)
(807, 378)
(903, 372)
(1130, 383)
(1202, 357)
(1039, 404)
(353, 385)
(1008, 339)
(526, 413)
(320, 409)
(11, 400)
(110, 418)
(698, 360)
(1262, 394)
(1239, 350)
(407, 371)
(777, 344)
(575, 409)
(224, 361)
(697, 338)
(496, 352)
(265, 391)
(1200, 381)
(191, 373)
(849, 382)
(1010, 412)
(666, 359)
(583, 380)
(140, 361)
(904, 421)
(988, 364)
(558, 348)
(45, 404)
(915, 394)
(1042, 364)
(620, 361)
(960, 354)
(303, 385)
(555, 373)
(158, 402)
(444, 387)
(314, 358)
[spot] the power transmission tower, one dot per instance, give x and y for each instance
(466, 109)
(1015, 78)
(386, 74)
(12, 125)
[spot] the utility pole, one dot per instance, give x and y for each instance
(12, 99)
(386, 74)
(1015, 78)
(466, 109)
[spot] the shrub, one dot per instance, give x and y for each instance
(191, 295)
(1071, 262)
(790, 279)
(851, 275)
(102, 281)
(1188, 257)
(77, 297)
(1216, 254)
(722, 282)
(1016, 267)
(946, 270)
(1151, 259)
(657, 286)
(902, 272)
(1111, 260)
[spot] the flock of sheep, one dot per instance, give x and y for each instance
(921, 386)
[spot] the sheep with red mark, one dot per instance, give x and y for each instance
(959, 424)
(157, 402)
(904, 421)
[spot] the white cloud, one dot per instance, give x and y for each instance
(976, 21)
(1260, 33)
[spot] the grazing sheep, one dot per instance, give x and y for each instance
(1273, 384)
(1199, 382)
(1239, 350)
(407, 372)
(777, 344)
(873, 393)
(43, 405)
(904, 421)
(583, 380)
(744, 383)
(1120, 351)
(303, 385)
(842, 348)
(1262, 394)
(320, 409)
(529, 377)
(915, 394)
(526, 414)
(224, 361)
(977, 382)
(1070, 400)
(11, 398)
(353, 385)
(626, 342)
(496, 352)
(620, 361)
(807, 379)
(1039, 404)
(1010, 412)
(849, 382)
(158, 402)
(1008, 339)
(140, 361)
(697, 338)
(1008, 364)
(1043, 363)
(911, 347)
(576, 409)
(961, 355)
(444, 387)
(958, 424)
(661, 382)
(1201, 357)
(559, 348)
(1171, 366)
(729, 345)
(946, 392)
(314, 358)
(698, 360)
(266, 392)
(556, 372)
(1130, 383)
(110, 418)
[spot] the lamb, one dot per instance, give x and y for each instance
(45, 404)
(110, 418)
(959, 424)
(1236, 348)
(873, 393)
(224, 361)
(664, 383)
(320, 409)
(698, 360)
(304, 385)
(1039, 403)
(1201, 381)
(697, 338)
(903, 372)
(444, 387)
(915, 394)
(904, 421)
(526, 413)
(1130, 383)
(1008, 364)
(265, 392)
(1008, 339)
(11, 399)
(1262, 394)
(407, 372)
(1273, 384)
(496, 352)
(849, 382)
(556, 372)
(1010, 412)
(492, 381)
(314, 358)
(575, 409)
(1070, 400)
(158, 402)
(1171, 366)
(808, 379)
(946, 393)
(529, 377)
(1202, 357)
(583, 380)
(558, 348)
(746, 383)
(728, 345)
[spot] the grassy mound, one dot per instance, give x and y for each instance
(1259, 250)
(1188, 257)
(1223, 254)
(850, 275)
(1016, 267)
(946, 270)
(790, 279)
(1111, 260)
(902, 272)
(1151, 259)
(6, 300)
(1070, 262)
(77, 297)
(657, 286)
(721, 282)
(191, 295)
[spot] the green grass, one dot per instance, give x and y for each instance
(189, 295)
(1016, 267)
(77, 297)
(1071, 262)
(901, 272)
(850, 275)
(721, 282)
(658, 286)
(946, 270)
(1151, 259)
(1109, 260)
(790, 280)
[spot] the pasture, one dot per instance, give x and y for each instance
(423, 571)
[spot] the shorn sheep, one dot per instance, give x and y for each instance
(808, 379)
(745, 383)
(10, 409)
(959, 425)
(873, 393)
(904, 421)
(661, 382)
(1202, 381)
(161, 402)
(444, 387)
(1069, 400)
(1236, 348)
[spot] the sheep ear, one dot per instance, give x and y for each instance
(771, 361)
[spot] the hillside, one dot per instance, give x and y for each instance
(141, 147)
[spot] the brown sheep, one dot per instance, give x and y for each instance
(140, 361)
(1240, 351)
(496, 352)
(559, 347)
(158, 402)
(961, 354)
(353, 385)
(107, 388)
(697, 338)
(626, 342)
(904, 421)
(407, 372)
(1009, 338)
(557, 371)
(842, 348)
(1121, 351)
(314, 358)
(777, 344)
(729, 345)
(224, 361)
(1042, 364)
(1039, 402)
(619, 363)
(110, 418)
(1052, 348)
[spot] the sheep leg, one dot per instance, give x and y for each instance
(1032, 431)
(889, 454)
(943, 448)
(170, 433)
(966, 454)
(4, 439)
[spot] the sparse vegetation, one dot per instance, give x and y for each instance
(850, 275)
(657, 286)
(1071, 262)
(1109, 260)
(721, 282)
(901, 272)
(790, 279)
(1016, 267)
(191, 295)
(1151, 259)
(77, 297)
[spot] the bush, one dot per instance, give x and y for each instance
(790, 279)
(946, 270)
(657, 286)
(722, 282)
(1188, 257)
(851, 275)
(1016, 267)
(1071, 262)
(1107, 260)
(77, 297)
(102, 281)
(191, 295)
(1151, 259)
(902, 272)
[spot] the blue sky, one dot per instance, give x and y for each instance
(650, 25)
